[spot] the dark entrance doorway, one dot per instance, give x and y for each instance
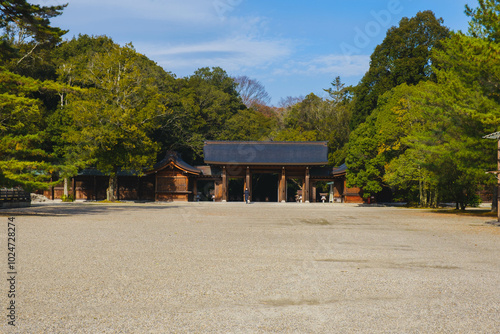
(205, 189)
(293, 189)
(235, 189)
(265, 187)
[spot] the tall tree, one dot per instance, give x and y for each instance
(203, 103)
(25, 103)
(114, 117)
(427, 141)
(33, 18)
(28, 38)
(485, 20)
(25, 160)
(403, 57)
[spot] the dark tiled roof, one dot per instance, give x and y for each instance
(96, 172)
(210, 170)
(342, 169)
(175, 158)
(266, 153)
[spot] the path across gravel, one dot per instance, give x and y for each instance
(259, 268)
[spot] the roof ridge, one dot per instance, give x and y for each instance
(264, 142)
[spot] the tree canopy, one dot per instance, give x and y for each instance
(485, 20)
(412, 127)
(403, 57)
(425, 140)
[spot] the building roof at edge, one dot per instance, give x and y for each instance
(342, 169)
(174, 157)
(266, 153)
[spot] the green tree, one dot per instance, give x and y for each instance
(485, 20)
(403, 57)
(475, 61)
(427, 141)
(28, 38)
(33, 18)
(365, 166)
(456, 119)
(26, 44)
(24, 158)
(248, 124)
(112, 120)
(202, 105)
(315, 118)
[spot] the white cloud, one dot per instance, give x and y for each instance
(334, 64)
(233, 54)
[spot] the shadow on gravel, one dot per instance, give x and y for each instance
(70, 209)
(494, 223)
(467, 212)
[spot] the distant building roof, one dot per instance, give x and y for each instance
(210, 170)
(341, 170)
(175, 159)
(266, 153)
(95, 172)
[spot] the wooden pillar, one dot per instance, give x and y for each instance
(139, 184)
(344, 191)
(305, 192)
(248, 182)
(282, 186)
(94, 191)
(51, 190)
(117, 187)
(74, 188)
(156, 186)
(224, 184)
(313, 190)
(195, 189)
(331, 194)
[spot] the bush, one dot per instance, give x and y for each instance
(68, 198)
(474, 201)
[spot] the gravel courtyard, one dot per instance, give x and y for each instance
(259, 268)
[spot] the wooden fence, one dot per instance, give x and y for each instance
(11, 198)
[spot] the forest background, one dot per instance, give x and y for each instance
(411, 130)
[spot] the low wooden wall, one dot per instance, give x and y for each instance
(14, 198)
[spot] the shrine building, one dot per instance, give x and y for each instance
(272, 171)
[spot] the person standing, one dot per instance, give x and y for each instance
(247, 196)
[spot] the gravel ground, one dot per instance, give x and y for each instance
(259, 268)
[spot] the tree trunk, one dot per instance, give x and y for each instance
(425, 199)
(494, 200)
(66, 187)
(110, 192)
(435, 201)
(421, 195)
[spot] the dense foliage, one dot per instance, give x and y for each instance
(424, 140)
(403, 57)
(411, 128)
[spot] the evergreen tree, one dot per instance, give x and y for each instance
(403, 57)
(485, 20)
(113, 118)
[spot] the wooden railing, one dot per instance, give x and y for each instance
(14, 195)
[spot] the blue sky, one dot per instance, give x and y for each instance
(292, 47)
